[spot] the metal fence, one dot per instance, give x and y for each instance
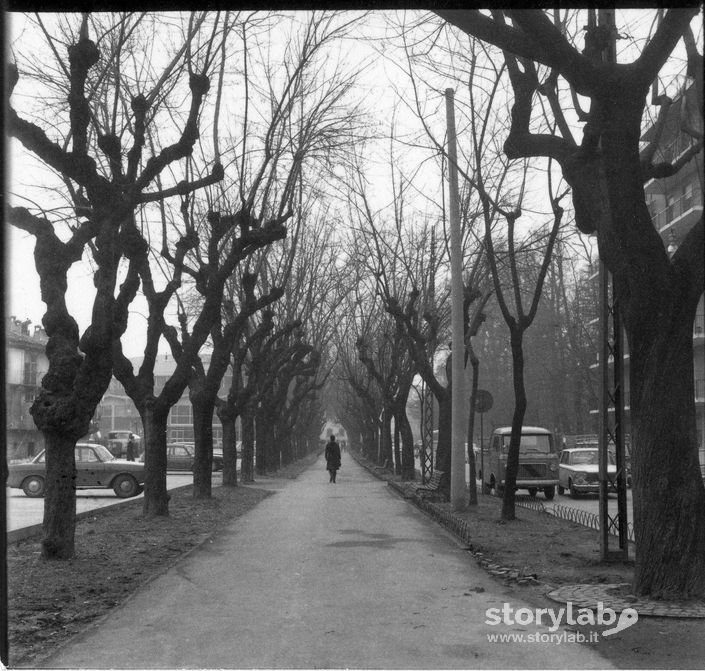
(582, 517)
(460, 527)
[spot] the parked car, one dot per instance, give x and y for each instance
(538, 461)
(117, 443)
(180, 457)
(578, 471)
(96, 467)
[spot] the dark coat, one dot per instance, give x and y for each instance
(332, 456)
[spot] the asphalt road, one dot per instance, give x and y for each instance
(322, 575)
(588, 502)
(23, 511)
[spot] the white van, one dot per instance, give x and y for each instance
(538, 461)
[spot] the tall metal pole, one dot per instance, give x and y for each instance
(612, 387)
(458, 488)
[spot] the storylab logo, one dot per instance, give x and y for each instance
(555, 619)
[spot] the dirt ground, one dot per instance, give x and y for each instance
(118, 551)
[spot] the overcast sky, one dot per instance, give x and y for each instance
(22, 284)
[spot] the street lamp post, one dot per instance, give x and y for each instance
(458, 489)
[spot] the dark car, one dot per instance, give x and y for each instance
(118, 440)
(95, 468)
(180, 457)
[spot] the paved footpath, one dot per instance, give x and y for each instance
(320, 575)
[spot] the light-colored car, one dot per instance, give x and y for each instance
(578, 471)
(96, 467)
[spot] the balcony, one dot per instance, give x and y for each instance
(681, 213)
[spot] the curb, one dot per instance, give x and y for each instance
(24, 533)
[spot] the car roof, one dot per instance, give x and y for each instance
(580, 449)
(503, 430)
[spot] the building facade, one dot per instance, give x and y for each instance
(676, 204)
(26, 363)
(117, 412)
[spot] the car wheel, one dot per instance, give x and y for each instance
(533, 491)
(573, 491)
(125, 486)
(549, 493)
(33, 486)
(561, 490)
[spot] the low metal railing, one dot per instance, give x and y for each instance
(585, 518)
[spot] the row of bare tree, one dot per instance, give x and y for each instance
(181, 155)
(175, 151)
(554, 76)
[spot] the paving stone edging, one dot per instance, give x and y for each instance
(588, 596)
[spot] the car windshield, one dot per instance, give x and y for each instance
(531, 444)
(103, 453)
(589, 457)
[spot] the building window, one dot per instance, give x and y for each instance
(177, 435)
(181, 414)
(687, 196)
(670, 212)
(30, 369)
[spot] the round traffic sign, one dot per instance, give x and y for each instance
(483, 401)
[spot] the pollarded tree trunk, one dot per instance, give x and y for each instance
(509, 497)
(59, 499)
(286, 447)
(445, 414)
(385, 437)
(658, 299)
(474, 467)
(266, 449)
(203, 405)
(156, 497)
(408, 465)
(247, 468)
(72, 387)
(227, 420)
(668, 493)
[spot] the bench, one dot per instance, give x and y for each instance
(385, 467)
(432, 486)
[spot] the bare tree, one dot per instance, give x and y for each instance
(101, 108)
(657, 295)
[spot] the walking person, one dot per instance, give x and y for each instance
(332, 458)
(130, 450)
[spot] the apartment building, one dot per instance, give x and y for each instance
(676, 204)
(26, 365)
